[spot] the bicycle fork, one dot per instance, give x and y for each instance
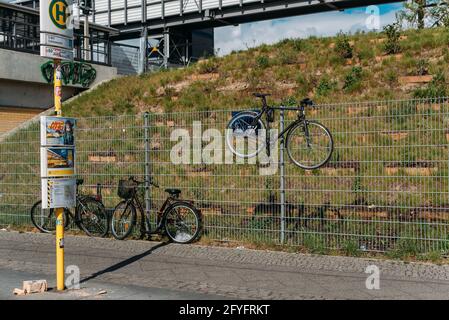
(307, 133)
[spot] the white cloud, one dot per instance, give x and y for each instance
(323, 24)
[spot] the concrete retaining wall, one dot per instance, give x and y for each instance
(22, 84)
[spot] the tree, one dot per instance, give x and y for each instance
(422, 13)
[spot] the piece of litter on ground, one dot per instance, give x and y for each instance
(102, 292)
(35, 286)
(240, 248)
(18, 292)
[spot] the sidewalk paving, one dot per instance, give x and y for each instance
(152, 270)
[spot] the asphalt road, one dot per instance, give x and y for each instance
(151, 270)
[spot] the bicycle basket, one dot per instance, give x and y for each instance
(126, 189)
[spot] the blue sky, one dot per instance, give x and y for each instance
(323, 24)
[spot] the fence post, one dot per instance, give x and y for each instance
(146, 117)
(282, 177)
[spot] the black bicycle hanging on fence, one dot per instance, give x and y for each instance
(178, 219)
(90, 214)
(309, 144)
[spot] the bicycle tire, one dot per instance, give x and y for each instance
(34, 213)
(130, 219)
(97, 222)
(330, 146)
(230, 129)
(182, 237)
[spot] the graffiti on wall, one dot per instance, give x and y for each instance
(72, 73)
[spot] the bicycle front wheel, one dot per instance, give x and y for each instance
(182, 222)
(92, 217)
(309, 145)
(45, 219)
(123, 220)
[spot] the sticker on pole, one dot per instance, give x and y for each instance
(58, 131)
(56, 53)
(58, 193)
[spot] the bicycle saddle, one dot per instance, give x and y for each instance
(173, 192)
(79, 181)
(261, 95)
(307, 102)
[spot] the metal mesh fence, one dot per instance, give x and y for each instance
(386, 185)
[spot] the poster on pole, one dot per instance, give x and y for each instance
(58, 131)
(58, 193)
(57, 162)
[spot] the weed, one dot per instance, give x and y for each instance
(353, 80)
(343, 47)
(391, 76)
(262, 61)
(315, 243)
(422, 67)
(208, 66)
(351, 248)
(325, 86)
(434, 89)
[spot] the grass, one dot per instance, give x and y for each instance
(270, 67)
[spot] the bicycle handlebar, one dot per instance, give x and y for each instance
(143, 182)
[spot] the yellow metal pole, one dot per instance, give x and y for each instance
(59, 211)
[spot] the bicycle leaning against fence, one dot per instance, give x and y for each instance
(178, 219)
(309, 144)
(90, 214)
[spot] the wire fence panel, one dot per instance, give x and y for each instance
(385, 187)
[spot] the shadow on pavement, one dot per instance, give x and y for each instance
(124, 263)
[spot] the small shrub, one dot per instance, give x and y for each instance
(391, 77)
(289, 101)
(434, 89)
(303, 85)
(262, 62)
(405, 248)
(353, 79)
(343, 47)
(393, 33)
(208, 66)
(298, 44)
(314, 243)
(351, 248)
(287, 56)
(325, 86)
(422, 67)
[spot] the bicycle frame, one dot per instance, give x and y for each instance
(266, 108)
(145, 227)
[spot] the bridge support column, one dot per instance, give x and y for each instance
(143, 63)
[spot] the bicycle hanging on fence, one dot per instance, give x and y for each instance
(309, 144)
(178, 219)
(90, 214)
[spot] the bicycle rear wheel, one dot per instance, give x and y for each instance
(123, 220)
(92, 217)
(45, 219)
(182, 222)
(310, 145)
(242, 138)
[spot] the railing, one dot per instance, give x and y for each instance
(25, 36)
(386, 187)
